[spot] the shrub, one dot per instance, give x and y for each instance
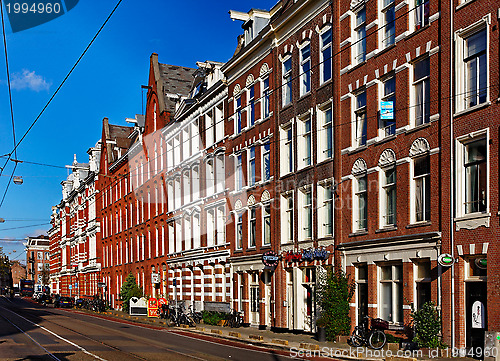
(427, 326)
(212, 317)
(129, 289)
(334, 294)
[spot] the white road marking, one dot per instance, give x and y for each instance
(31, 338)
(56, 335)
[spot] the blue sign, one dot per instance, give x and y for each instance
(70, 286)
(76, 285)
(387, 110)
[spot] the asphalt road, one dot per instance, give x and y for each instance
(29, 331)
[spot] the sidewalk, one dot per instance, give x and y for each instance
(298, 345)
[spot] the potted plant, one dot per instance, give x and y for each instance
(321, 329)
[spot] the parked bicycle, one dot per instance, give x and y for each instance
(177, 317)
(373, 336)
(195, 315)
(234, 319)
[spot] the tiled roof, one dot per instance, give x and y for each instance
(177, 80)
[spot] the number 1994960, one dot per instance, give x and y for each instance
(35, 8)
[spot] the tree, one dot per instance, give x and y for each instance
(45, 277)
(334, 294)
(129, 289)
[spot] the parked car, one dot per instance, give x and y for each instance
(66, 302)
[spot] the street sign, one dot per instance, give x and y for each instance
(101, 284)
(70, 287)
(155, 278)
(270, 259)
(152, 307)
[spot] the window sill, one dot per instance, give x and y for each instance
(386, 229)
(464, 4)
(329, 81)
(360, 232)
(383, 139)
(320, 162)
(419, 224)
(286, 106)
(238, 251)
(250, 249)
(267, 246)
(357, 149)
(472, 221)
(416, 128)
(302, 96)
(472, 109)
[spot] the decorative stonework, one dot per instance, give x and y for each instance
(356, 3)
(250, 80)
(238, 205)
(237, 90)
(265, 196)
(264, 69)
(251, 201)
(359, 167)
(388, 157)
(420, 146)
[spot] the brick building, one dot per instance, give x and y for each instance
(75, 255)
(18, 272)
(37, 257)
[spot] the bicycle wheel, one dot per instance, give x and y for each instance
(377, 339)
(189, 321)
(357, 338)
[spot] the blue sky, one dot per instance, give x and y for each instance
(106, 83)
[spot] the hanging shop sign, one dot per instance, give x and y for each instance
(446, 260)
(310, 254)
(270, 259)
(481, 263)
(387, 110)
(155, 278)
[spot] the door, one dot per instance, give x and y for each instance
(290, 299)
(254, 299)
(476, 317)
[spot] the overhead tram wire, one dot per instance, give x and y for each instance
(9, 86)
(16, 145)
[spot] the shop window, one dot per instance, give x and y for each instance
(391, 297)
(362, 291)
(423, 282)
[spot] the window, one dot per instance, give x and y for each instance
(187, 187)
(251, 106)
(325, 213)
(254, 293)
(239, 172)
(287, 218)
(421, 71)
(252, 227)
(209, 128)
(326, 55)
(475, 176)
(220, 172)
(423, 282)
(186, 148)
(251, 167)
(360, 115)
(287, 81)
(476, 69)
(362, 291)
(306, 221)
(266, 221)
(219, 121)
(286, 150)
(306, 147)
(237, 114)
(221, 226)
(391, 304)
(177, 194)
(265, 98)
(195, 137)
(210, 177)
(325, 134)
(421, 13)
(389, 194)
(360, 207)
(196, 183)
(211, 228)
(239, 231)
(196, 231)
(389, 26)
(305, 69)
(359, 46)
(387, 119)
(421, 179)
(266, 162)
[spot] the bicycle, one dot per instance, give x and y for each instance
(234, 319)
(373, 336)
(195, 315)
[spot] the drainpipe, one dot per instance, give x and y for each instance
(452, 180)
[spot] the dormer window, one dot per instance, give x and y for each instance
(248, 27)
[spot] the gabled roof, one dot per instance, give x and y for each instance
(177, 81)
(118, 134)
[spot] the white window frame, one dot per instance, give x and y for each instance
(356, 199)
(357, 141)
(324, 47)
(387, 40)
(252, 211)
(219, 121)
(238, 124)
(305, 75)
(325, 205)
(265, 98)
(305, 142)
(252, 166)
(413, 94)
(265, 153)
(306, 212)
(359, 35)
(460, 65)
(395, 283)
(251, 105)
(426, 180)
(264, 215)
(384, 188)
(238, 174)
(286, 81)
(286, 156)
(238, 237)
(387, 130)
(324, 129)
(460, 146)
(287, 214)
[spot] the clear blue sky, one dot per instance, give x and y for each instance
(107, 83)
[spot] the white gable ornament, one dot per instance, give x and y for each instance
(238, 205)
(237, 89)
(251, 201)
(265, 196)
(419, 146)
(356, 3)
(359, 167)
(249, 80)
(388, 157)
(264, 69)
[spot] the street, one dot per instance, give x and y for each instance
(29, 331)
